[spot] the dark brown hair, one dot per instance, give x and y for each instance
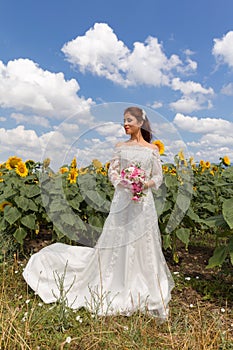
(145, 128)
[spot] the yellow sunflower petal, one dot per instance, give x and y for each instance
(21, 169)
(160, 146)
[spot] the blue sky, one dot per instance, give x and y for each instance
(69, 68)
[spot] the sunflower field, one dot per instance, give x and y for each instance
(194, 202)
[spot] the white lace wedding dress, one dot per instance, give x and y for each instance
(126, 270)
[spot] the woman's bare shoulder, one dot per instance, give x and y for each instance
(152, 146)
(121, 143)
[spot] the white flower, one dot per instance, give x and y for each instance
(16, 271)
(40, 304)
(126, 328)
(176, 273)
(68, 340)
(78, 318)
(222, 309)
(191, 305)
(187, 278)
(197, 277)
(27, 301)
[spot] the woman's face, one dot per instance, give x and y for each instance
(131, 124)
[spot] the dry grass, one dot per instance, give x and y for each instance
(27, 323)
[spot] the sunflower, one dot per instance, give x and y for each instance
(191, 160)
(12, 162)
(207, 165)
(202, 163)
(21, 169)
(226, 160)
(4, 204)
(181, 155)
(160, 146)
(165, 168)
(74, 163)
(63, 170)
(173, 171)
(101, 171)
(107, 165)
(97, 164)
(72, 176)
(1, 180)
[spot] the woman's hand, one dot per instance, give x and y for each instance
(148, 184)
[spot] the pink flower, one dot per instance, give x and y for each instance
(133, 177)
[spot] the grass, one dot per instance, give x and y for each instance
(26, 323)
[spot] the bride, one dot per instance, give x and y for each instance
(126, 270)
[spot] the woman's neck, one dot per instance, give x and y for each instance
(138, 138)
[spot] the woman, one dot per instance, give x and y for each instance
(126, 270)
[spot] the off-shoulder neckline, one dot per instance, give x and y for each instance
(136, 145)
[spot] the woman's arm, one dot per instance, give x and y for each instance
(156, 171)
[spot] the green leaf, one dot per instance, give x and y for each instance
(96, 221)
(68, 218)
(56, 204)
(183, 234)
(3, 224)
(75, 203)
(96, 199)
(216, 221)
(183, 202)
(31, 191)
(220, 254)
(167, 241)
(170, 181)
(32, 205)
(29, 221)
(11, 214)
(212, 208)
(22, 202)
(192, 215)
(227, 210)
(20, 234)
(9, 192)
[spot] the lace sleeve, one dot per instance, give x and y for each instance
(114, 168)
(156, 171)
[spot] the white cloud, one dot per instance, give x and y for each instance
(25, 86)
(98, 51)
(2, 119)
(195, 96)
(20, 142)
(190, 87)
(223, 49)
(227, 89)
(203, 125)
(215, 139)
(30, 119)
(67, 128)
(110, 129)
(188, 104)
(156, 104)
(189, 52)
(102, 53)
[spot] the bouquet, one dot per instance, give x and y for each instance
(134, 177)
